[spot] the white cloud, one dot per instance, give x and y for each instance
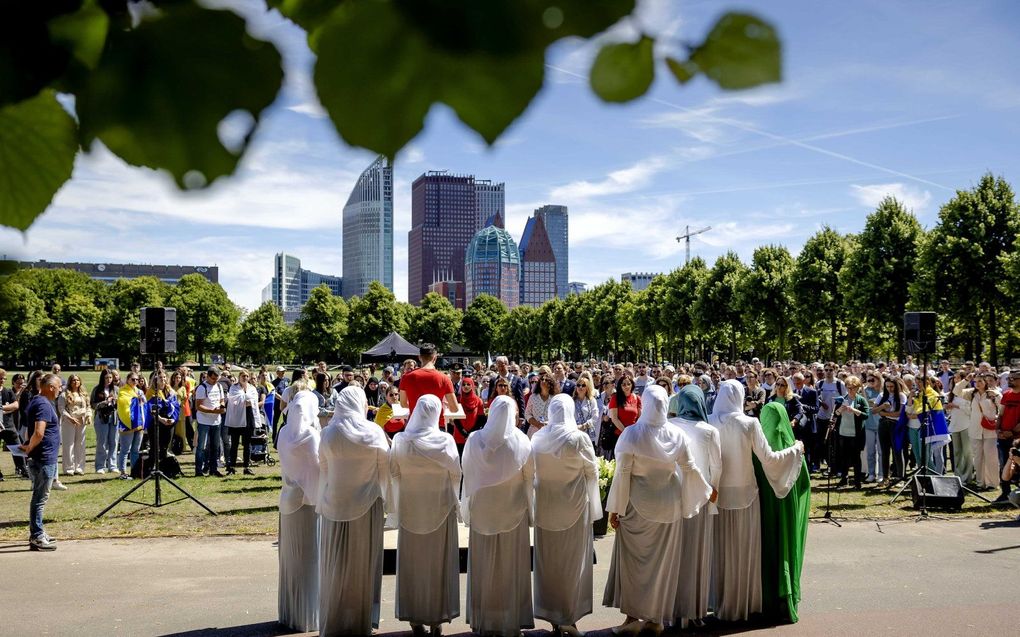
(616, 182)
(911, 197)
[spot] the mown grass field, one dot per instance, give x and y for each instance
(247, 505)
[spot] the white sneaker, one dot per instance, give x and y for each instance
(69, 472)
(79, 472)
(58, 485)
(115, 471)
(100, 471)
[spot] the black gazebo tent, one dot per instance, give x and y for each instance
(394, 348)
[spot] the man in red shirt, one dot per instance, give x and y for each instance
(1008, 427)
(427, 380)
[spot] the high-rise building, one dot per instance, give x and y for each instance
(368, 230)
(556, 224)
(492, 265)
(491, 201)
(444, 213)
(292, 285)
(638, 280)
(538, 264)
(577, 287)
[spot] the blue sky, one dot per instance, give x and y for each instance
(912, 99)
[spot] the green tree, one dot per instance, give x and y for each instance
(514, 336)
(76, 321)
(322, 326)
(435, 321)
(121, 319)
(717, 310)
(398, 56)
(876, 272)
(207, 320)
(765, 293)
(967, 252)
(609, 300)
(66, 295)
(22, 318)
(481, 323)
(819, 297)
(683, 288)
(374, 316)
(262, 336)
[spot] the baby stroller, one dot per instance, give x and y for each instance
(260, 447)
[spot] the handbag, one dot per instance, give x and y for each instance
(988, 423)
(608, 436)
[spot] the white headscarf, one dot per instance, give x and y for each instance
(298, 446)
(560, 428)
(495, 453)
(652, 436)
(729, 404)
(424, 436)
(349, 417)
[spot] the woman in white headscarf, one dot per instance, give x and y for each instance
(498, 493)
(655, 486)
(298, 446)
(354, 461)
(425, 468)
(566, 503)
(696, 566)
(736, 562)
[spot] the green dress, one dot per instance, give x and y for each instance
(783, 524)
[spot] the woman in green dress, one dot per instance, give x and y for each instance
(783, 522)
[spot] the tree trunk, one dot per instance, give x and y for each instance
(832, 331)
(993, 333)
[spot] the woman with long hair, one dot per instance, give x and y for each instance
(180, 388)
(538, 402)
(984, 404)
(354, 460)
(425, 469)
(104, 399)
(131, 422)
(890, 404)
(168, 410)
(298, 446)
(75, 417)
(586, 409)
(242, 407)
(496, 507)
(624, 404)
(566, 503)
(655, 486)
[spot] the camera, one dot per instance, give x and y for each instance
(1015, 453)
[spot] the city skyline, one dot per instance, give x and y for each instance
(905, 99)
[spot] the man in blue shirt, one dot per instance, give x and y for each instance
(42, 449)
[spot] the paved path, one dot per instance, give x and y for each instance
(934, 578)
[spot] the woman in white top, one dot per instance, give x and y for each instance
(566, 503)
(498, 493)
(242, 410)
(75, 417)
(655, 486)
(983, 401)
(958, 413)
(696, 565)
(355, 484)
(425, 468)
(736, 561)
(535, 412)
(298, 446)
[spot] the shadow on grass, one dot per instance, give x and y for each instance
(254, 489)
(248, 511)
(13, 524)
(264, 629)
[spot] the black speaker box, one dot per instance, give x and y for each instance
(939, 492)
(159, 330)
(919, 332)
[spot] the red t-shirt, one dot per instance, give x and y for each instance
(1010, 410)
(426, 381)
(628, 414)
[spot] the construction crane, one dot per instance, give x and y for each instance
(686, 237)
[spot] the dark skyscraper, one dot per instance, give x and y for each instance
(444, 214)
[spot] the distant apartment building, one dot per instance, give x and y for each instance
(292, 285)
(577, 287)
(452, 291)
(638, 280)
(538, 264)
(367, 230)
(110, 272)
(556, 222)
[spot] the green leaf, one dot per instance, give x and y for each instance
(623, 71)
(38, 143)
(741, 51)
(82, 33)
(373, 76)
(682, 71)
(161, 91)
(308, 14)
(29, 61)
(381, 100)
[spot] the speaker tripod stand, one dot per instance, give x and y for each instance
(827, 517)
(155, 476)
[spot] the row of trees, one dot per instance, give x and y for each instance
(843, 296)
